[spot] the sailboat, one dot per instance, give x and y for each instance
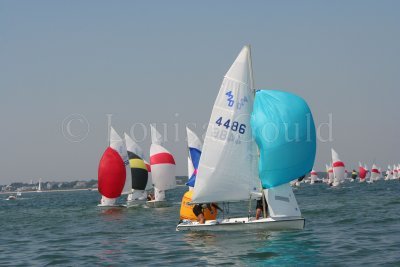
(228, 164)
(313, 176)
(374, 173)
(362, 173)
(338, 168)
(139, 173)
(113, 171)
(162, 164)
(39, 189)
(368, 174)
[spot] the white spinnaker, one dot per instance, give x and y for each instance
(156, 137)
(118, 144)
(338, 167)
(163, 174)
(228, 164)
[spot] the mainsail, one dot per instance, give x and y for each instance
(156, 137)
(228, 164)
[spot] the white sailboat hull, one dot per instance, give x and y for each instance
(244, 223)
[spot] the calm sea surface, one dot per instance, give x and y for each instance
(357, 224)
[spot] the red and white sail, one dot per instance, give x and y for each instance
(313, 176)
(113, 169)
(162, 164)
(374, 173)
(338, 168)
(362, 173)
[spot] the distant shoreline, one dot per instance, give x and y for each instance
(59, 190)
(49, 191)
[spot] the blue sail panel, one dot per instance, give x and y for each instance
(284, 130)
(195, 158)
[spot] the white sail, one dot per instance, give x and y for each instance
(282, 202)
(156, 137)
(118, 144)
(133, 146)
(162, 168)
(228, 165)
(40, 185)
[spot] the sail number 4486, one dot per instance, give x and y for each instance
(234, 126)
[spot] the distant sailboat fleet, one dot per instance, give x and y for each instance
(337, 174)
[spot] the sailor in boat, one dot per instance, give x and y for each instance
(260, 207)
(150, 197)
(198, 210)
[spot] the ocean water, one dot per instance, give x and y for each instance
(356, 224)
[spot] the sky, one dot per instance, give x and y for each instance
(69, 68)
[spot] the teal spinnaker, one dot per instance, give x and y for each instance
(284, 130)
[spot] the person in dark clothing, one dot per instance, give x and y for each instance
(259, 207)
(198, 210)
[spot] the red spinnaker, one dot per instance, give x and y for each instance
(362, 172)
(111, 174)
